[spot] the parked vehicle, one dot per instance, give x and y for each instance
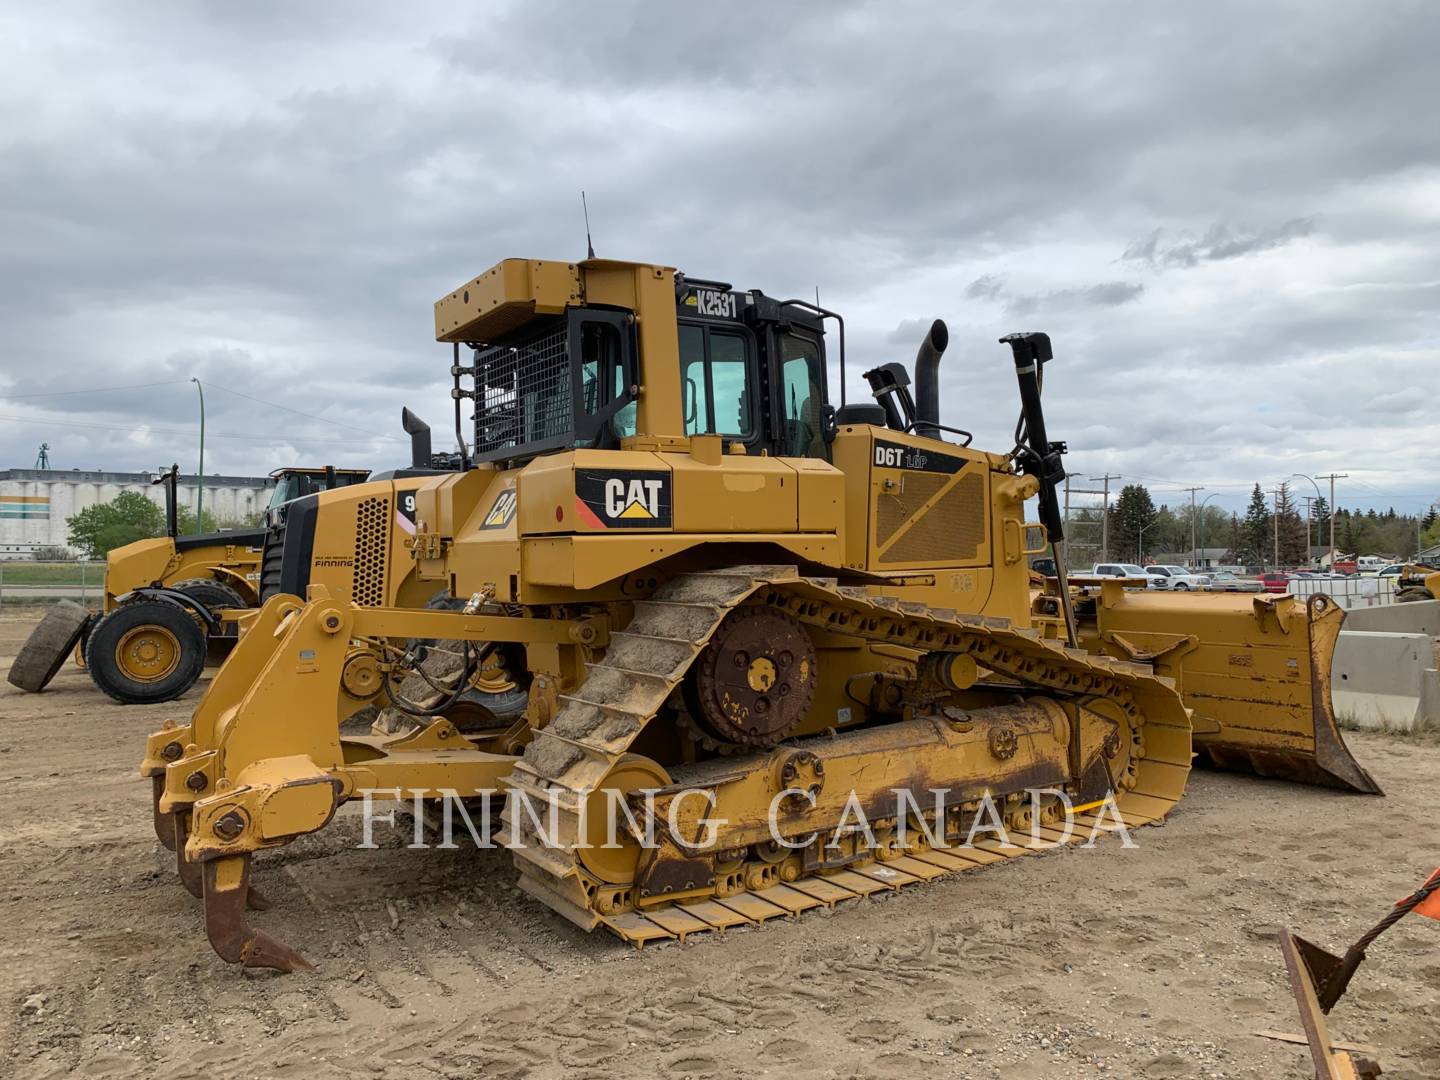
(1393, 570)
(1369, 564)
(1275, 582)
(1225, 581)
(1123, 570)
(1177, 578)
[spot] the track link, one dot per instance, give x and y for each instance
(570, 758)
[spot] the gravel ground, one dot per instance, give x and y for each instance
(1156, 962)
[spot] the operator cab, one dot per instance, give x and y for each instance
(752, 369)
(292, 483)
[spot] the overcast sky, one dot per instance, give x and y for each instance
(1225, 215)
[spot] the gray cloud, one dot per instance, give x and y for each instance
(270, 197)
(1219, 242)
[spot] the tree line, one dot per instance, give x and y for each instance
(1273, 531)
(97, 530)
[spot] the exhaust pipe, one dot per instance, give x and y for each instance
(927, 380)
(419, 433)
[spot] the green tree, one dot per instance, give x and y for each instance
(1430, 529)
(1255, 531)
(128, 517)
(1294, 544)
(1320, 515)
(1237, 555)
(185, 518)
(1132, 517)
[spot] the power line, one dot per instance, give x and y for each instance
(297, 412)
(95, 390)
(185, 434)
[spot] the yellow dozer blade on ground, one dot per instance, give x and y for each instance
(1255, 670)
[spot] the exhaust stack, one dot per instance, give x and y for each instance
(927, 380)
(419, 433)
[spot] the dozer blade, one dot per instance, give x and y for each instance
(1256, 670)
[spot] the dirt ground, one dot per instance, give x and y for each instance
(1157, 962)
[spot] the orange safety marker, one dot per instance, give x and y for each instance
(1430, 906)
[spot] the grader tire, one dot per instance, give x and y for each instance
(47, 648)
(145, 652)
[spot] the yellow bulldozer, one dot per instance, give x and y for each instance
(790, 646)
(159, 617)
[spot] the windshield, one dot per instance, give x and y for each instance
(1177, 569)
(286, 488)
(1131, 569)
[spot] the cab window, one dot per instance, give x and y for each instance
(801, 396)
(715, 381)
(602, 374)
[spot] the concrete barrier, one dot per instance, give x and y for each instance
(1385, 679)
(1420, 617)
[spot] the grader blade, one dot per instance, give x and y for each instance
(1256, 670)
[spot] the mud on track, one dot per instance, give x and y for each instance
(1158, 962)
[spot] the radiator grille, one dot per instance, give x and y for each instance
(954, 528)
(372, 521)
(271, 558)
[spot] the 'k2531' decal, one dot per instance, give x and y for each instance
(623, 498)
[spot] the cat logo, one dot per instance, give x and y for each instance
(635, 500)
(501, 511)
(623, 498)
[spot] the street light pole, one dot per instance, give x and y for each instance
(1192, 524)
(200, 476)
(1332, 477)
(1201, 510)
(1317, 531)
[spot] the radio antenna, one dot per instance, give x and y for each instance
(589, 247)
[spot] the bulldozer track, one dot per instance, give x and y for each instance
(571, 757)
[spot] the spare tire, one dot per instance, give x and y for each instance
(48, 646)
(146, 651)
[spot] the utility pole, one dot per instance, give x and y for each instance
(1192, 523)
(1309, 502)
(1105, 516)
(1332, 477)
(200, 476)
(1276, 518)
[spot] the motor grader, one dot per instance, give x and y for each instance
(1417, 581)
(738, 612)
(160, 608)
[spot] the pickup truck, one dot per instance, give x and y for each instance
(1176, 578)
(1123, 570)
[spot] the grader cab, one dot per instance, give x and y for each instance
(737, 612)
